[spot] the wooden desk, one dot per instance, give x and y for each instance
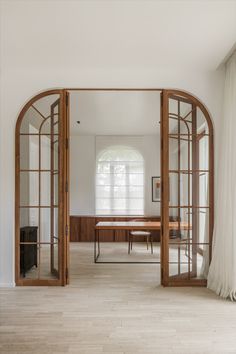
(82, 227)
(138, 225)
(134, 226)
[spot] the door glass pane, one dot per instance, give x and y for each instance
(46, 188)
(39, 114)
(180, 188)
(55, 153)
(29, 152)
(45, 225)
(55, 258)
(201, 122)
(28, 243)
(56, 188)
(180, 145)
(29, 217)
(29, 258)
(203, 152)
(188, 261)
(48, 260)
(39, 190)
(32, 122)
(49, 152)
(29, 188)
(45, 151)
(188, 191)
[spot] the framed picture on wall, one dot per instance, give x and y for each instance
(156, 189)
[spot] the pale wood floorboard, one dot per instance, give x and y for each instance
(115, 309)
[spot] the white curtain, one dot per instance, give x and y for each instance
(205, 259)
(222, 272)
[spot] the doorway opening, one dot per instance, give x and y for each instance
(138, 165)
(120, 132)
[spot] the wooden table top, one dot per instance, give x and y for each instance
(139, 225)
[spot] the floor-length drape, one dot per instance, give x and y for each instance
(222, 272)
(205, 255)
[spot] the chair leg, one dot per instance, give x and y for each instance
(147, 240)
(129, 244)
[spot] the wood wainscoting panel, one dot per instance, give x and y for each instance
(87, 228)
(75, 222)
(82, 228)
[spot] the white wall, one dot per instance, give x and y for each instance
(50, 65)
(83, 152)
(82, 175)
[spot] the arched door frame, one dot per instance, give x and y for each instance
(64, 95)
(167, 94)
(63, 191)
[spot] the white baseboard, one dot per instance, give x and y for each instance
(7, 285)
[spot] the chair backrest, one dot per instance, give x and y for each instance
(140, 219)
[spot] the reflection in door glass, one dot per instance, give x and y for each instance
(188, 190)
(39, 196)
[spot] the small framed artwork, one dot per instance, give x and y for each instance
(156, 189)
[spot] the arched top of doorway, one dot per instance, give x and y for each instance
(176, 92)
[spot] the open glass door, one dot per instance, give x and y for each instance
(41, 191)
(187, 189)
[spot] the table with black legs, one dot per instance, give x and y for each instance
(131, 226)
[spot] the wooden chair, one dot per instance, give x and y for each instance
(138, 233)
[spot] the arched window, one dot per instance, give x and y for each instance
(120, 182)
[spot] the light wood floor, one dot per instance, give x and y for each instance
(115, 309)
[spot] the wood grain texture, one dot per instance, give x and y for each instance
(62, 173)
(82, 228)
(139, 225)
(75, 233)
(114, 309)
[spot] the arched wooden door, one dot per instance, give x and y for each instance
(42, 202)
(42, 221)
(187, 189)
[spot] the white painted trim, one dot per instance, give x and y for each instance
(7, 285)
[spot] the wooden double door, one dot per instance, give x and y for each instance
(42, 189)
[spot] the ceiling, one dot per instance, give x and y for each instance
(114, 112)
(122, 34)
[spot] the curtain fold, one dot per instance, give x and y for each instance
(222, 271)
(205, 257)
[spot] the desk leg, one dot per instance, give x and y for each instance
(129, 244)
(151, 241)
(98, 238)
(95, 245)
